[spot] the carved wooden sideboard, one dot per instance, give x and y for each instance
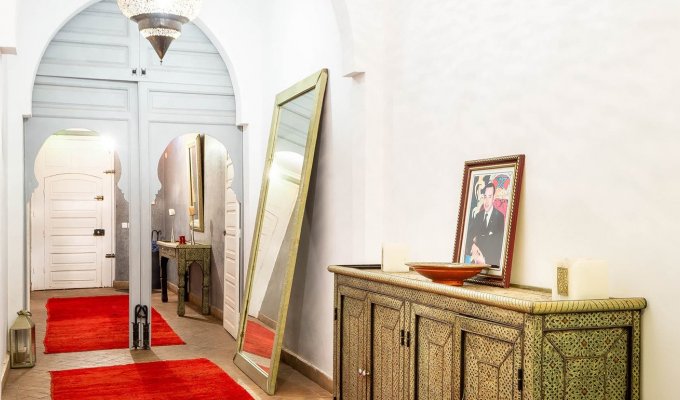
(400, 336)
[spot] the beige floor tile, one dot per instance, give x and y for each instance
(204, 336)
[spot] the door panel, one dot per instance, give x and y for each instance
(73, 258)
(490, 358)
(586, 364)
(231, 264)
(387, 355)
(98, 43)
(353, 343)
(432, 353)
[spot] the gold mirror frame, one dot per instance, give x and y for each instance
(316, 83)
(195, 165)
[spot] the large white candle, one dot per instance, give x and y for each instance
(588, 279)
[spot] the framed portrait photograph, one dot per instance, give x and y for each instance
(488, 215)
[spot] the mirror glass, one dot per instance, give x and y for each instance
(195, 161)
(279, 220)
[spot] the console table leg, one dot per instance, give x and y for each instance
(180, 293)
(187, 281)
(164, 279)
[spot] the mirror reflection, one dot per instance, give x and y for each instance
(195, 168)
(276, 233)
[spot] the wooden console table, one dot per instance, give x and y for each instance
(185, 254)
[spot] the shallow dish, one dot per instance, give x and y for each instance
(452, 274)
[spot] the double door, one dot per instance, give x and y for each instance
(389, 348)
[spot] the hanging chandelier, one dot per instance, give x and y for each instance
(160, 21)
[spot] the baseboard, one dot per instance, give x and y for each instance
(121, 285)
(271, 324)
(307, 369)
(5, 372)
(198, 301)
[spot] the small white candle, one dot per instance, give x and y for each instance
(394, 257)
(171, 211)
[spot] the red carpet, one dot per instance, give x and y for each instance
(184, 379)
(259, 340)
(97, 323)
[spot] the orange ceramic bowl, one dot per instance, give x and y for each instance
(452, 274)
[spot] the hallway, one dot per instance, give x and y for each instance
(204, 336)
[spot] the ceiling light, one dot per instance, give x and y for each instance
(160, 21)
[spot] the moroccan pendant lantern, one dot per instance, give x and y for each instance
(160, 21)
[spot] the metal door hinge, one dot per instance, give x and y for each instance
(401, 337)
(99, 198)
(335, 314)
(408, 339)
(520, 379)
(110, 171)
(110, 255)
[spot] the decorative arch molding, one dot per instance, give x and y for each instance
(38, 25)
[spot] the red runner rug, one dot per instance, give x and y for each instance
(97, 323)
(183, 379)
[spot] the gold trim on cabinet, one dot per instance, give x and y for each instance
(509, 299)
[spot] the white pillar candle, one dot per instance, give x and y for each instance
(171, 211)
(394, 257)
(586, 279)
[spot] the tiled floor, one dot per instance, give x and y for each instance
(204, 336)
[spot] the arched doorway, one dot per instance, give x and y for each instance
(220, 220)
(98, 73)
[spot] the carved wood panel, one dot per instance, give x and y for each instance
(353, 344)
(586, 364)
(432, 356)
(491, 355)
(387, 353)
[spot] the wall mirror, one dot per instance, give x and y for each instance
(283, 195)
(195, 161)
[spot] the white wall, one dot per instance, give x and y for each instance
(8, 27)
(3, 209)
(589, 92)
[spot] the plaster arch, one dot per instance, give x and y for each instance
(37, 25)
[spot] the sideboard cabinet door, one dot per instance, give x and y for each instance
(352, 345)
(433, 358)
(387, 348)
(586, 364)
(491, 357)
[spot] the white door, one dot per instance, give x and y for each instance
(231, 307)
(73, 254)
(74, 197)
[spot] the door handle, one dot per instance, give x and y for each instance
(99, 232)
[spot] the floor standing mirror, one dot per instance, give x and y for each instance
(288, 166)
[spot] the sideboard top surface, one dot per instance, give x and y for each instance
(513, 298)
